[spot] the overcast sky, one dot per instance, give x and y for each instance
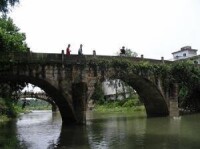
(154, 28)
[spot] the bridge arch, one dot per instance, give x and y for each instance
(41, 96)
(62, 101)
(70, 80)
(154, 101)
(152, 97)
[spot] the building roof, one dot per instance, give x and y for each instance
(186, 48)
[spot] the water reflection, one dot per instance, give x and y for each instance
(43, 130)
(102, 131)
(116, 131)
(8, 136)
(190, 131)
(161, 133)
(73, 137)
(38, 129)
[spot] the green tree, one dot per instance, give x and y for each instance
(11, 40)
(98, 94)
(131, 53)
(5, 4)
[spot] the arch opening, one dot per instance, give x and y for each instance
(154, 102)
(34, 97)
(62, 101)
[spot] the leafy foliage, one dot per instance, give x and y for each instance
(132, 104)
(7, 108)
(188, 77)
(98, 95)
(184, 73)
(4, 5)
(11, 40)
(129, 52)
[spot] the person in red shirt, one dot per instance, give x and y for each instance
(68, 50)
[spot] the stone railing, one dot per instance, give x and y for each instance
(30, 57)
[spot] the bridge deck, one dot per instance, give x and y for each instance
(62, 58)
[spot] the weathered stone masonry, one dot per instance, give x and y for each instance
(69, 81)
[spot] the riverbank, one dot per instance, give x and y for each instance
(105, 108)
(5, 118)
(9, 111)
(129, 105)
(17, 110)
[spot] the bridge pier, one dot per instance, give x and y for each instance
(173, 101)
(79, 97)
(54, 108)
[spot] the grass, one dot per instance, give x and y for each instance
(105, 108)
(127, 105)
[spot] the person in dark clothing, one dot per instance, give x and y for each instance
(80, 51)
(122, 51)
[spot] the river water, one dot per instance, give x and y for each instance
(43, 130)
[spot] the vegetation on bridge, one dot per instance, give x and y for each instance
(184, 73)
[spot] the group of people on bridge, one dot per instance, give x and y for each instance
(80, 50)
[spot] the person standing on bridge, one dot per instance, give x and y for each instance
(80, 51)
(68, 50)
(122, 51)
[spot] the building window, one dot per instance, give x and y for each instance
(184, 54)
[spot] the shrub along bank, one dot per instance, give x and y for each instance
(9, 110)
(130, 104)
(6, 110)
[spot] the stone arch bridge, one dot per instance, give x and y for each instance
(40, 95)
(69, 81)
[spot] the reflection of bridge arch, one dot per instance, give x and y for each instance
(40, 95)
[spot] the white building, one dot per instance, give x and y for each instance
(187, 53)
(113, 88)
(184, 52)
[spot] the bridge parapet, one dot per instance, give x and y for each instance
(30, 57)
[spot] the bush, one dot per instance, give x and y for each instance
(98, 95)
(7, 108)
(131, 103)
